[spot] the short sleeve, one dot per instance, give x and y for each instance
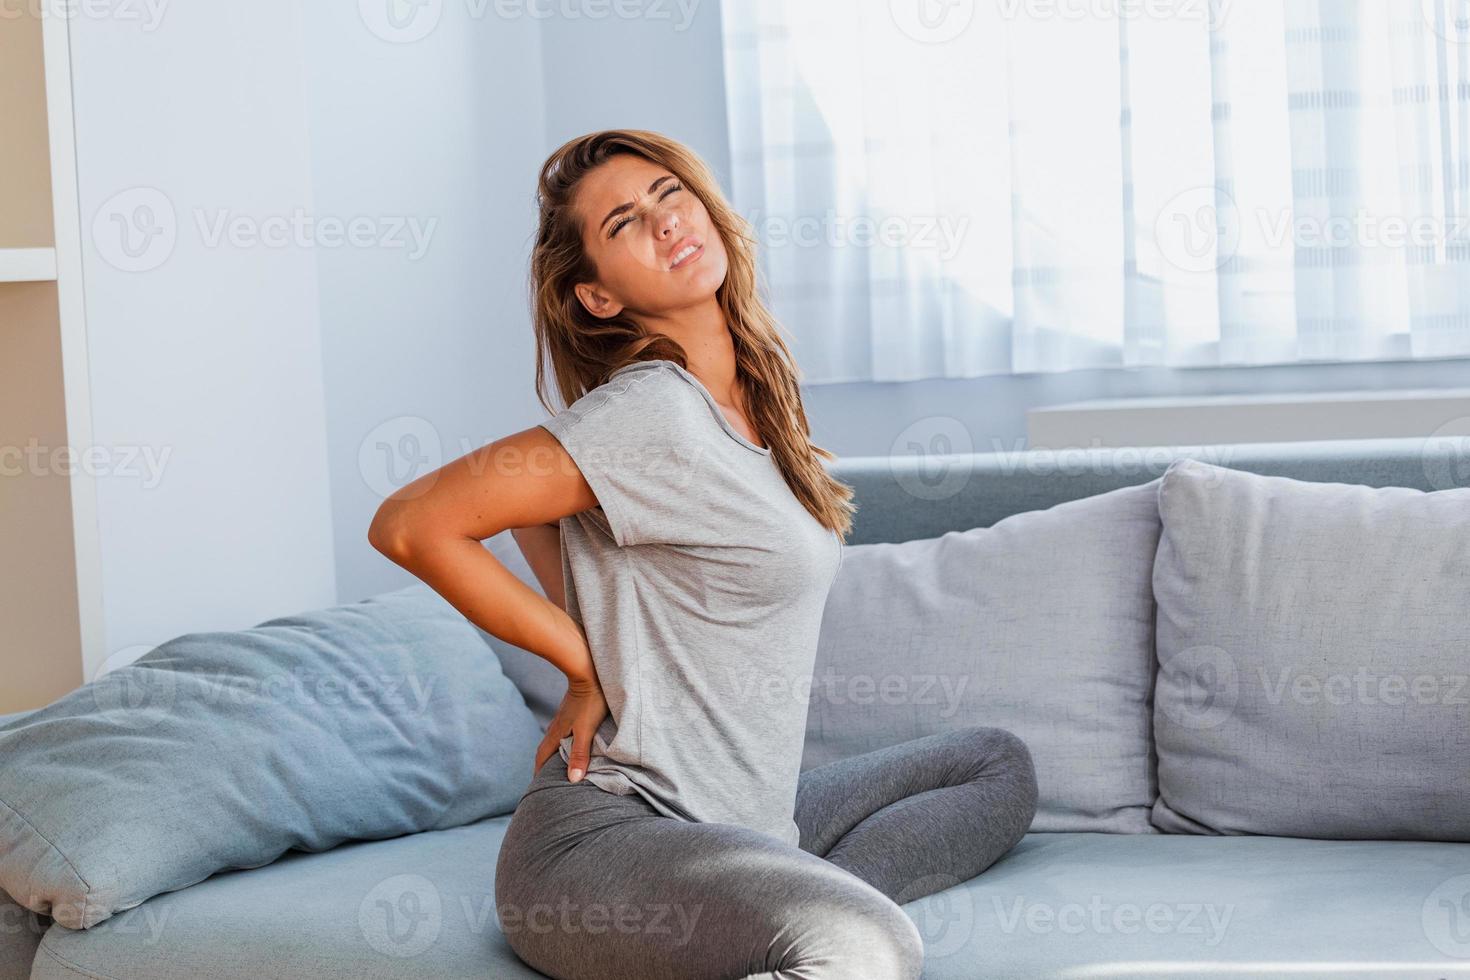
(629, 439)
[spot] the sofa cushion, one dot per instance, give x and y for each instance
(1313, 649)
(411, 907)
(224, 749)
(1041, 624)
(1203, 908)
(1057, 905)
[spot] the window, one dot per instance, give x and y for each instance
(1013, 186)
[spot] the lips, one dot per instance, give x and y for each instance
(685, 250)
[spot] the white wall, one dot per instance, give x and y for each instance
(205, 357)
(263, 374)
(427, 346)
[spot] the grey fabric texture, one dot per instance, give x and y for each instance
(225, 749)
(911, 495)
(20, 934)
(699, 580)
(20, 928)
(1056, 905)
(1313, 650)
(877, 830)
(1041, 625)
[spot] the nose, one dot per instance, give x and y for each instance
(668, 221)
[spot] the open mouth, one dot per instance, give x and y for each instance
(689, 253)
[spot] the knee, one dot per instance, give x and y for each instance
(1004, 749)
(889, 943)
(864, 937)
(1001, 755)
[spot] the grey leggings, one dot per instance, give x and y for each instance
(590, 884)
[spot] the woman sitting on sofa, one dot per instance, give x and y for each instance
(686, 534)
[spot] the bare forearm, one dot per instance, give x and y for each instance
(492, 597)
(541, 545)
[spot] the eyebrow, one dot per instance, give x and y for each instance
(629, 206)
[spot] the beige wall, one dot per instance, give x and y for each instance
(25, 191)
(40, 637)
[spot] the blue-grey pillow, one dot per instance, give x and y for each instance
(223, 750)
(1041, 624)
(1313, 650)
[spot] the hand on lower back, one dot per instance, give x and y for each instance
(582, 710)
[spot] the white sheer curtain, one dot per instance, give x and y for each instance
(952, 188)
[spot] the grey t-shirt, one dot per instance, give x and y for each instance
(699, 581)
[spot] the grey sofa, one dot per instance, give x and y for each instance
(1059, 905)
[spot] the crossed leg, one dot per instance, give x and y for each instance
(591, 884)
(605, 887)
(921, 816)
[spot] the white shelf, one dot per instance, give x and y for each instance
(27, 265)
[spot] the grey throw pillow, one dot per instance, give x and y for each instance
(1041, 624)
(224, 750)
(1314, 648)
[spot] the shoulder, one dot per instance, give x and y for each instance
(654, 393)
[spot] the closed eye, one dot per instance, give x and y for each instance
(619, 225)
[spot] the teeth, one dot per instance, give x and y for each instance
(683, 254)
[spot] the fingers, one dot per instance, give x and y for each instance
(581, 752)
(545, 750)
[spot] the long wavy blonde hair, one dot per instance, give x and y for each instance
(585, 350)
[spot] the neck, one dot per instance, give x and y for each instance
(708, 346)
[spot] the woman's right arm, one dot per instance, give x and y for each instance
(434, 527)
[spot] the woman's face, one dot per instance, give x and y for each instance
(638, 219)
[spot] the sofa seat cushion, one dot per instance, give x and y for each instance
(1186, 907)
(1058, 905)
(412, 907)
